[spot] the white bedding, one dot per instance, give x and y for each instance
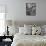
(29, 40)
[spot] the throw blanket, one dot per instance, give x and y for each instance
(29, 40)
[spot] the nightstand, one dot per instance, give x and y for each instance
(7, 43)
(6, 40)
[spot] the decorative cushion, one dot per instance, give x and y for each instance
(36, 30)
(33, 30)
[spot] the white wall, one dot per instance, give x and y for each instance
(17, 10)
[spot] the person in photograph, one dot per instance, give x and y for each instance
(30, 9)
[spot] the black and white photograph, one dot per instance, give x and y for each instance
(30, 9)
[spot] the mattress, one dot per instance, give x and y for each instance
(28, 40)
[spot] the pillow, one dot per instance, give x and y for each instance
(44, 29)
(13, 30)
(28, 26)
(36, 30)
(28, 31)
(33, 30)
(21, 30)
(24, 30)
(44, 26)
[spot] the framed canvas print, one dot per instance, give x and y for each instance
(30, 9)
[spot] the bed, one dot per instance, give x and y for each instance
(21, 39)
(29, 40)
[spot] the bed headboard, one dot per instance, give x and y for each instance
(21, 23)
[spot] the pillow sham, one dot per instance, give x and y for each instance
(44, 26)
(36, 30)
(24, 30)
(21, 30)
(44, 29)
(28, 31)
(13, 30)
(28, 26)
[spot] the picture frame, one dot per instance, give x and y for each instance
(30, 9)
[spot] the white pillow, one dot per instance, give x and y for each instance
(28, 26)
(13, 30)
(23, 30)
(33, 30)
(42, 30)
(44, 27)
(36, 30)
(28, 31)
